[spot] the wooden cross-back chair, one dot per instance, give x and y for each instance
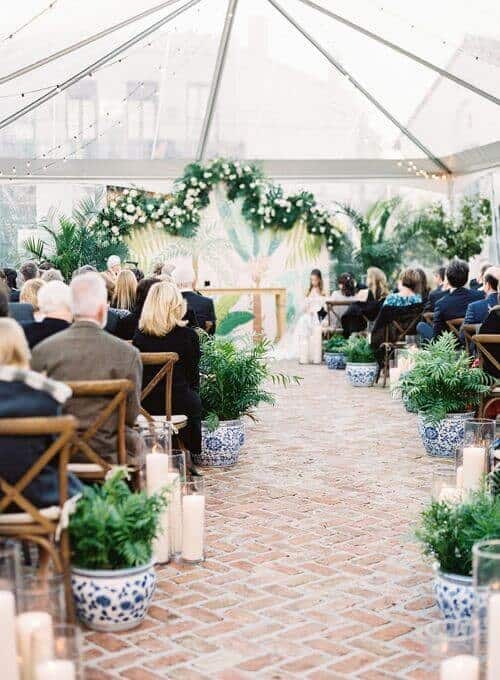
(469, 330)
(395, 336)
(30, 523)
(428, 317)
(117, 391)
(455, 326)
(332, 314)
(484, 345)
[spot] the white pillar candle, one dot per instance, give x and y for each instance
(303, 350)
(493, 655)
(156, 480)
(474, 463)
(30, 648)
(193, 527)
(460, 667)
(316, 344)
(175, 513)
(59, 669)
(460, 477)
(10, 670)
(394, 375)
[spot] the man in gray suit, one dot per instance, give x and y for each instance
(86, 352)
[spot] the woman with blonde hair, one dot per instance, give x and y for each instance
(125, 290)
(358, 315)
(27, 394)
(376, 282)
(162, 329)
(29, 295)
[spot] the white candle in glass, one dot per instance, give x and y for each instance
(33, 649)
(58, 669)
(193, 527)
(175, 513)
(460, 476)
(474, 463)
(10, 669)
(460, 667)
(493, 655)
(394, 374)
(156, 480)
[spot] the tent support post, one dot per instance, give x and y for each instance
(216, 80)
(360, 87)
(95, 66)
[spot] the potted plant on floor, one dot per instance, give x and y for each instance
(361, 366)
(447, 533)
(445, 390)
(334, 352)
(111, 534)
(233, 383)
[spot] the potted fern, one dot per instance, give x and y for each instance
(447, 532)
(361, 365)
(111, 534)
(444, 389)
(233, 384)
(334, 352)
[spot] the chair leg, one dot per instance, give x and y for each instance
(65, 561)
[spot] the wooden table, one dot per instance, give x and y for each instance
(279, 296)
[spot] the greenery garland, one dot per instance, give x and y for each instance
(264, 205)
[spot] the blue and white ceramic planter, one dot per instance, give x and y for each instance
(111, 601)
(454, 595)
(221, 447)
(361, 375)
(335, 360)
(444, 437)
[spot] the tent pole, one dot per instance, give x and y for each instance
(94, 66)
(83, 43)
(423, 62)
(216, 80)
(361, 89)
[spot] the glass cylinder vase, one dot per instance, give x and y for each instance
(451, 650)
(176, 480)
(445, 484)
(62, 659)
(10, 566)
(193, 521)
(486, 581)
(42, 593)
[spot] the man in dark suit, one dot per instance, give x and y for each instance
(454, 305)
(11, 277)
(479, 310)
(54, 300)
(22, 312)
(4, 300)
(438, 292)
(202, 307)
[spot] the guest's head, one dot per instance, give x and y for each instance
(52, 275)
(55, 301)
(457, 273)
(184, 276)
(347, 284)
(410, 279)
(29, 270)
(316, 282)
(484, 266)
(14, 350)
(439, 276)
(138, 273)
(376, 282)
(110, 287)
(114, 264)
(143, 288)
(4, 299)
(423, 288)
(29, 293)
(11, 276)
(125, 290)
(490, 280)
(157, 266)
(163, 310)
(85, 269)
(89, 298)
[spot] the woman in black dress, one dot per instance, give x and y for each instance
(127, 325)
(162, 329)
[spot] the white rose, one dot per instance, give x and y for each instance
(159, 225)
(125, 192)
(142, 219)
(119, 213)
(105, 223)
(134, 193)
(131, 208)
(194, 181)
(115, 230)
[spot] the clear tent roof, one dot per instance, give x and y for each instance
(279, 97)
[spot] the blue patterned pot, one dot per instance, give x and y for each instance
(444, 437)
(221, 447)
(335, 360)
(361, 375)
(454, 595)
(111, 601)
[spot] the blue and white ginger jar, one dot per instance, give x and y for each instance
(221, 447)
(454, 595)
(335, 360)
(361, 375)
(444, 437)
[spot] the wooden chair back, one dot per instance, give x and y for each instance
(455, 326)
(484, 344)
(332, 313)
(117, 391)
(166, 362)
(469, 330)
(395, 333)
(428, 317)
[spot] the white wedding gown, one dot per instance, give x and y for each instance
(289, 345)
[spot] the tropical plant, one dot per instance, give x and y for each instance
(233, 320)
(358, 351)
(448, 531)
(113, 527)
(336, 343)
(443, 380)
(233, 377)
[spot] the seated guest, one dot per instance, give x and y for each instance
(203, 307)
(54, 300)
(371, 298)
(423, 288)
(11, 277)
(454, 305)
(409, 285)
(114, 265)
(114, 315)
(491, 326)
(127, 325)
(84, 351)
(51, 275)
(29, 296)
(478, 311)
(28, 271)
(26, 394)
(477, 283)
(84, 269)
(439, 291)
(162, 329)
(138, 273)
(345, 293)
(4, 300)
(125, 290)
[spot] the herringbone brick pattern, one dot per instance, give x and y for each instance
(311, 569)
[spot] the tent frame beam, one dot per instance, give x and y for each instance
(411, 55)
(94, 66)
(439, 163)
(217, 77)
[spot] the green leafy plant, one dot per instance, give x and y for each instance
(234, 377)
(336, 343)
(358, 351)
(233, 320)
(443, 381)
(113, 527)
(448, 532)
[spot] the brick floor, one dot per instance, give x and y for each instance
(311, 570)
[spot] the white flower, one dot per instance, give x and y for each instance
(242, 186)
(142, 219)
(112, 204)
(232, 176)
(158, 225)
(149, 206)
(119, 213)
(131, 208)
(300, 203)
(105, 223)
(182, 186)
(125, 192)
(194, 181)
(247, 168)
(134, 192)
(207, 175)
(115, 230)
(203, 185)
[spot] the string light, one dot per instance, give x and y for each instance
(12, 34)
